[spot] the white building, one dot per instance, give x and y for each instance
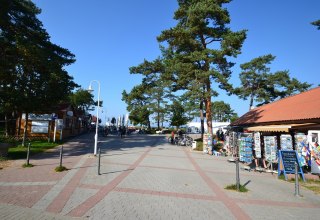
(195, 127)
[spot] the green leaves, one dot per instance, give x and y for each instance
(317, 24)
(35, 79)
(260, 85)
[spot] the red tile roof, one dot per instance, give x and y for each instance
(298, 107)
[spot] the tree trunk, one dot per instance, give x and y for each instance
(201, 119)
(158, 115)
(25, 130)
(251, 102)
(19, 125)
(6, 125)
(149, 125)
(208, 107)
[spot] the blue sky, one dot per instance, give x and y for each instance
(108, 37)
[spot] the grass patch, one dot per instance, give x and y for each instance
(20, 152)
(310, 184)
(3, 159)
(199, 146)
(60, 169)
(234, 187)
(27, 165)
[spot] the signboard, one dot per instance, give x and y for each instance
(287, 162)
(58, 126)
(40, 127)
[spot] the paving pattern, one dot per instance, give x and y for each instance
(144, 177)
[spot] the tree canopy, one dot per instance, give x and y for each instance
(195, 52)
(316, 23)
(32, 76)
(259, 84)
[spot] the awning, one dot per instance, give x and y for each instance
(280, 128)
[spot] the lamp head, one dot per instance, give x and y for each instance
(90, 89)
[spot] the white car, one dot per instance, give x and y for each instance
(159, 132)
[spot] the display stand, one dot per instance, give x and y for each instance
(287, 162)
(233, 140)
(245, 148)
(271, 151)
(286, 142)
(207, 143)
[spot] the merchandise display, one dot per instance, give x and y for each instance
(286, 142)
(257, 145)
(302, 147)
(233, 143)
(271, 149)
(245, 147)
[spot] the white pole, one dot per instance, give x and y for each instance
(97, 122)
(55, 130)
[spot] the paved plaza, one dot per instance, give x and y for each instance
(144, 177)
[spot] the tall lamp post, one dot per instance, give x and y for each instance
(97, 121)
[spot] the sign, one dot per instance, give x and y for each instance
(40, 127)
(287, 162)
(59, 124)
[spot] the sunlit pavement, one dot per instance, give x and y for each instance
(144, 177)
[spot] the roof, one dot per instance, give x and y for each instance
(303, 106)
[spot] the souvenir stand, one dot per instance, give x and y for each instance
(302, 148)
(313, 140)
(271, 150)
(233, 145)
(207, 143)
(286, 142)
(257, 144)
(245, 147)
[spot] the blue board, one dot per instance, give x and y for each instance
(287, 161)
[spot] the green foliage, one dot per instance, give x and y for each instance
(137, 105)
(199, 144)
(222, 111)
(316, 23)
(198, 48)
(234, 187)
(60, 169)
(178, 117)
(155, 89)
(258, 84)
(20, 152)
(32, 76)
(113, 120)
(82, 99)
(27, 165)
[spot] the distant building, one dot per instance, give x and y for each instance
(195, 127)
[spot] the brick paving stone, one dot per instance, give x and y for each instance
(274, 212)
(148, 207)
(79, 196)
(144, 177)
(11, 212)
(166, 180)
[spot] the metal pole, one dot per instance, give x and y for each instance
(237, 175)
(28, 154)
(97, 122)
(99, 159)
(297, 190)
(61, 152)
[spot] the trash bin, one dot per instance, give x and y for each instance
(194, 145)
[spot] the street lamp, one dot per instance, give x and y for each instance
(97, 121)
